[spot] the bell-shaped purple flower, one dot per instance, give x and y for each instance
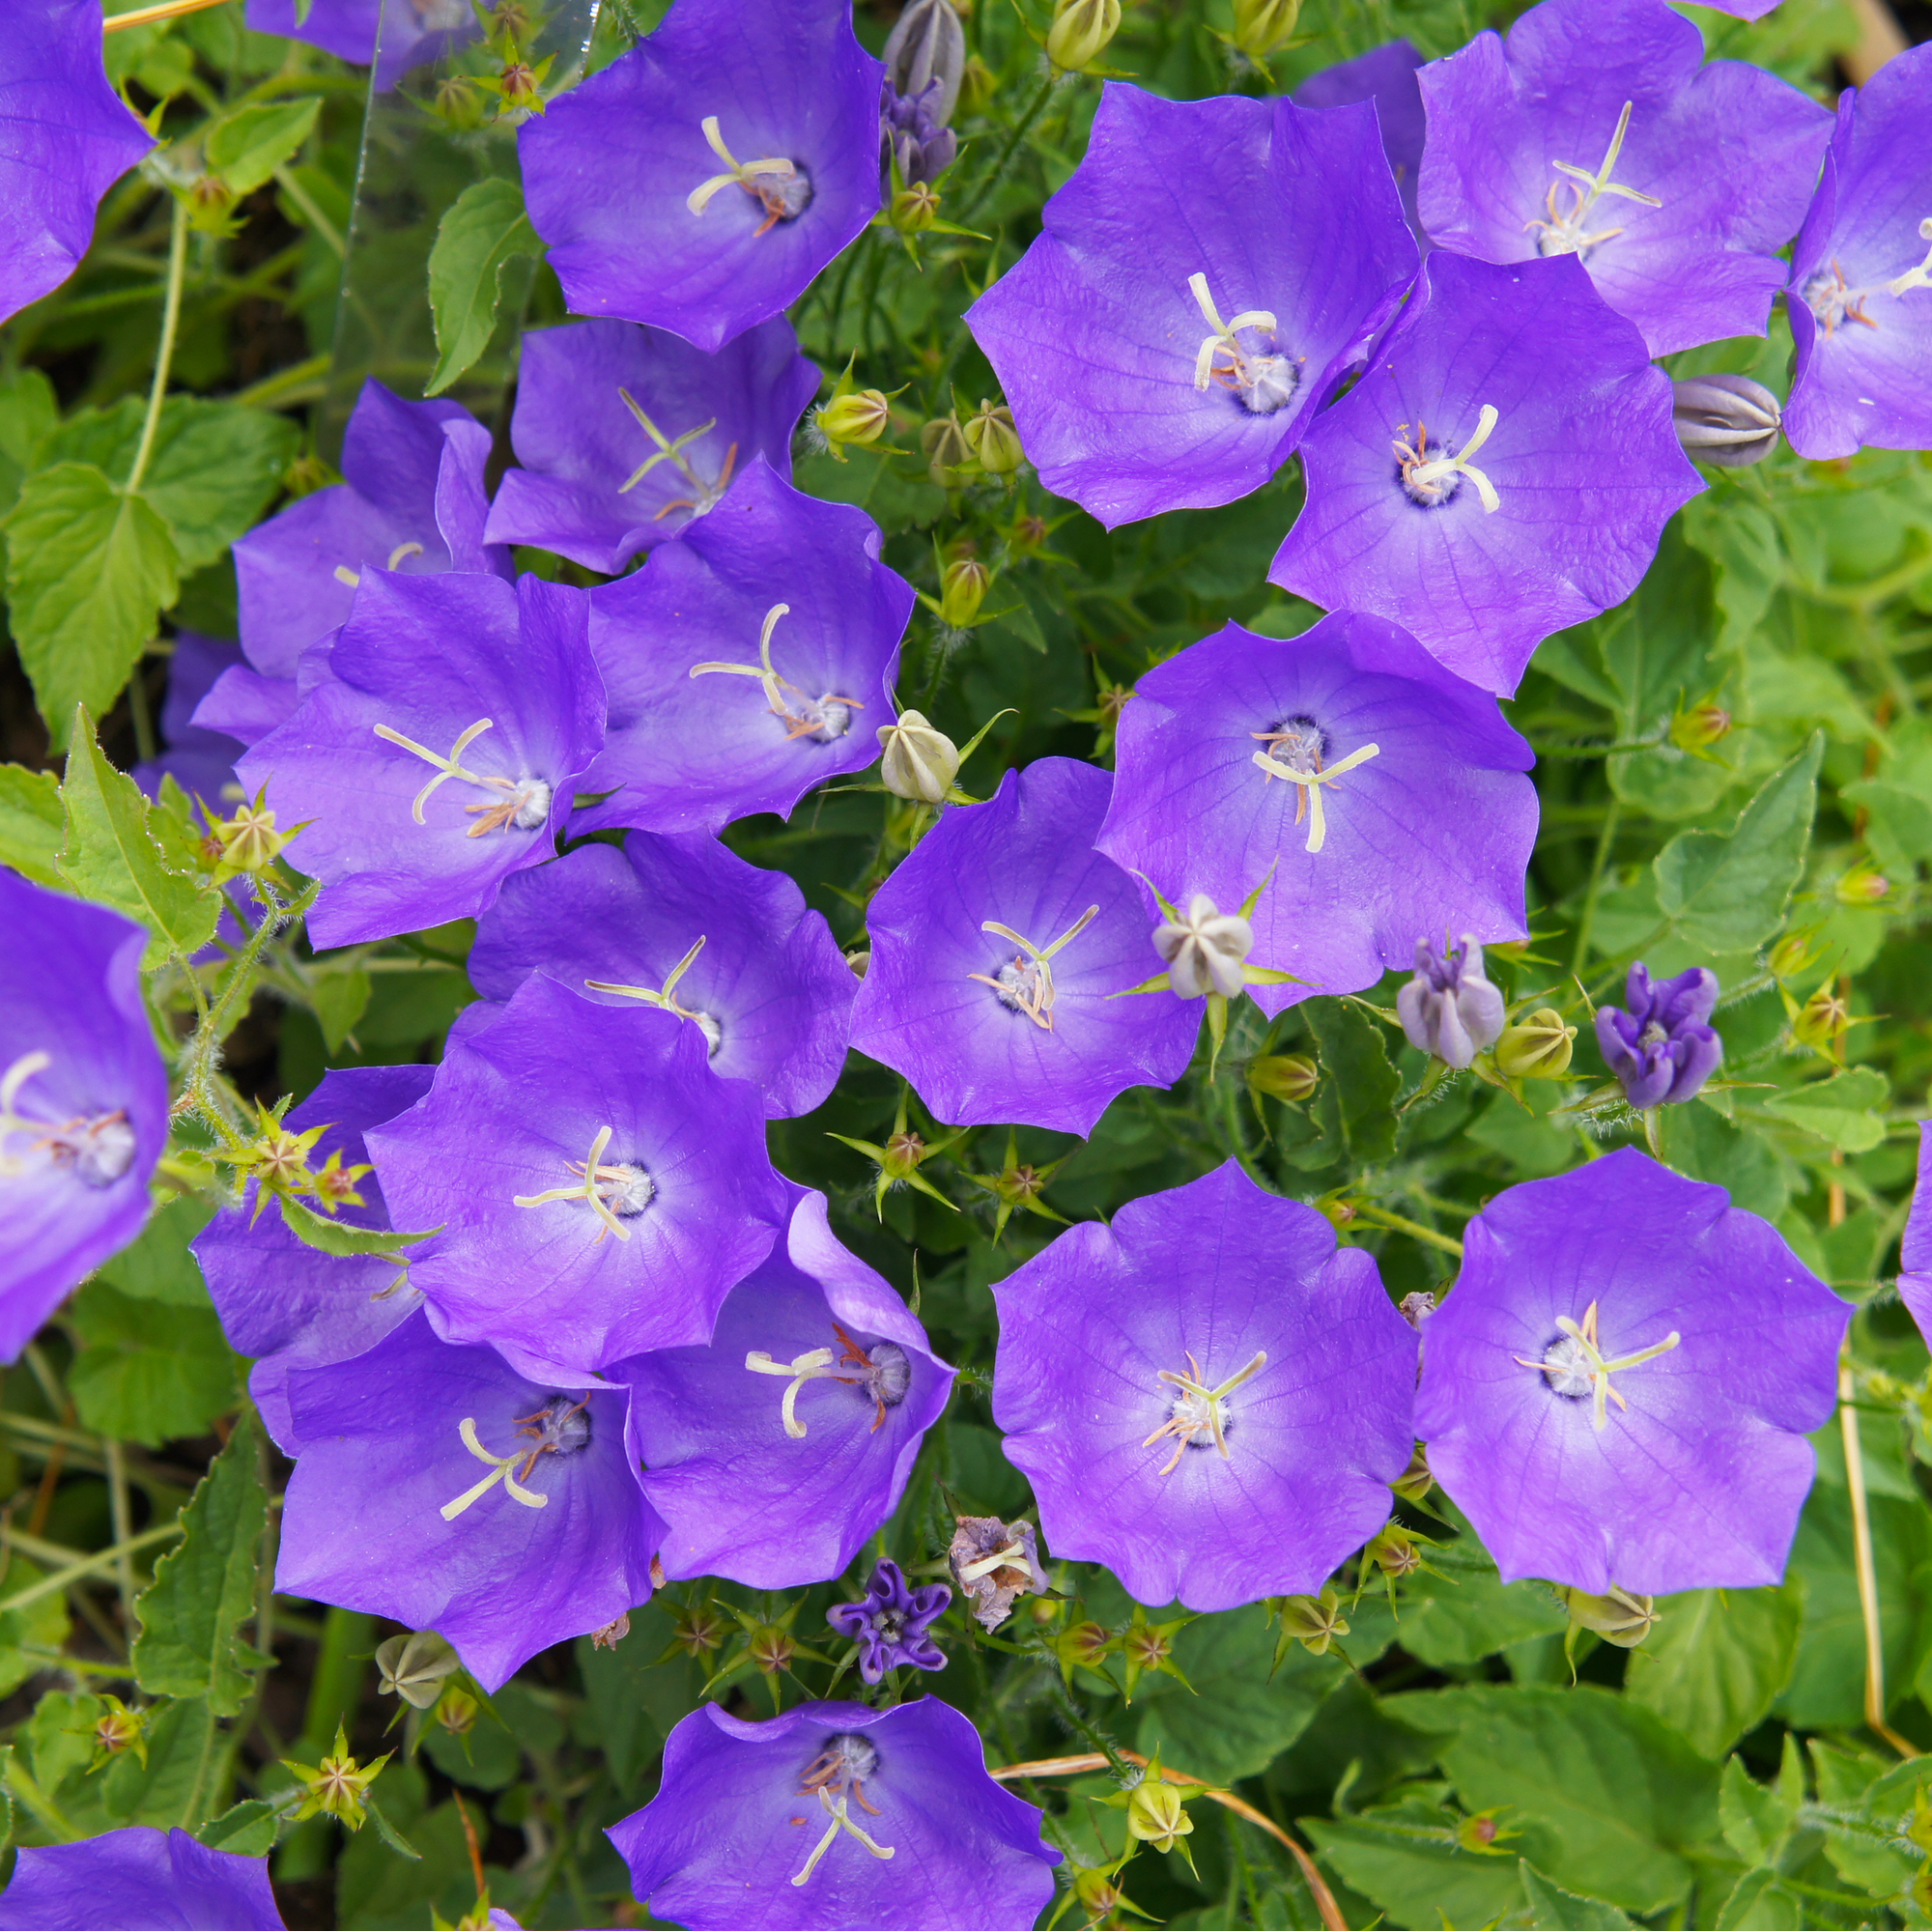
(83, 1098)
(1208, 275)
(684, 924)
(751, 660)
(1208, 1396)
(1915, 1257)
(412, 499)
(1449, 1010)
(1386, 76)
(138, 1876)
(1860, 294)
(776, 1450)
(1502, 471)
(438, 750)
(999, 947)
(496, 1506)
(700, 180)
(627, 435)
(890, 1621)
(1597, 131)
(199, 759)
(1619, 1390)
(831, 1816)
(1378, 794)
(66, 137)
(290, 1305)
(599, 1189)
(1662, 1048)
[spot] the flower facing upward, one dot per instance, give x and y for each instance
(888, 1623)
(699, 181)
(138, 1876)
(1208, 275)
(1663, 1048)
(1449, 1010)
(1617, 1390)
(1207, 1396)
(831, 1816)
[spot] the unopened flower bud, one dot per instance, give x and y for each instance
(927, 45)
(991, 436)
(457, 1711)
(1095, 1887)
(1080, 32)
(962, 589)
(1699, 727)
(1085, 1645)
(1417, 1480)
(913, 208)
(118, 1729)
(1729, 420)
(1620, 1618)
(1793, 953)
(1863, 885)
(977, 86)
(1287, 1076)
(1484, 1831)
(1155, 1814)
(944, 442)
(860, 417)
(1263, 27)
(414, 1667)
(1449, 1010)
(1536, 1048)
(1205, 951)
(1314, 1622)
(920, 762)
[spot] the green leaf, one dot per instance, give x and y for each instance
(28, 411)
(387, 1832)
(1898, 822)
(39, 1627)
(1405, 1857)
(339, 1237)
(631, 1700)
(172, 1787)
(148, 1370)
(247, 147)
(88, 571)
(1355, 1103)
(1741, 539)
(1760, 1903)
(204, 1589)
(247, 1829)
(1845, 1109)
(158, 1266)
(112, 855)
(479, 233)
(32, 824)
(1726, 892)
(340, 1000)
(1468, 1612)
(1551, 1909)
(1754, 1816)
(1715, 1662)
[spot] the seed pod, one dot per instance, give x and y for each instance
(1287, 1076)
(977, 86)
(944, 442)
(1416, 1481)
(913, 208)
(1729, 420)
(414, 1667)
(1619, 1618)
(927, 45)
(1314, 1622)
(920, 762)
(1081, 31)
(991, 436)
(1537, 1048)
(861, 417)
(1155, 1814)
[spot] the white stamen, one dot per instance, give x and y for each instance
(619, 1187)
(745, 174)
(352, 578)
(401, 551)
(1919, 277)
(842, 1821)
(499, 1472)
(1312, 782)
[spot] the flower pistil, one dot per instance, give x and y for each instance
(99, 1147)
(525, 808)
(821, 719)
(781, 186)
(1574, 1365)
(613, 1189)
(1199, 1413)
(1564, 232)
(1265, 382)
(1026, 984)
(1433, 481)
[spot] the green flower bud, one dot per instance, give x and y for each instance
(413, 1667)
(457, 1711)
(920, 762)
(962, 590)
(977, 86)
(1155, 1814)
(1537, 1048)
(1416, 1481)
(1095, 1887)
(1619, 1617)
(1794, 952)
(1864, 884)
(1263, 27)
(1394, 1552)
(1085, 1645)
(860, 417)
(1081, 31)
(1483, 1833)
(913, 208)
(1314, 1622)
(1702, 726)
(992, 438)
(1287, 1076)
(944, 444)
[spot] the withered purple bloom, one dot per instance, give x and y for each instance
(699, 181)
(1915, 1258)
(83, 1098)
(290, 1305)
(998, 946)
(627, 435)
(772, 1452)
(438, 750)
(66, 137)
(682, 923)
(1619, 1390)
(1449, 1009)
(1663, 1047)
(890, 1623)
(201, 760)
(1386, 76)
(1502, 471)
(138, 1876)
(1860, 295)
(1378, 794)
(389, 1512)
(755, 658)
(831, 1816)
(923, 146)
(600, 1190)
(1208, 1396)
(1208, 275)
(1598, 131)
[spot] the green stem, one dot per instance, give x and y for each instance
(334, 1691)
(118, 1515)
(1381, 1217)
(21, 1784)
(165, 356)
(1021, 127)
(102, 1559)
(1605, 841)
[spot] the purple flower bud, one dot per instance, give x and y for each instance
(1449, 1010)
(1729, 420)
(888, 1623)
(924, 56)
(1662, 1048)
(138, 1876)
(922, 144)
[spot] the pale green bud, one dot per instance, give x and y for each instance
(920, 762)
(1263, 27)
(1537, 1048)
(962, 590)
(991, 436)
(860, 417)
(1081, 31)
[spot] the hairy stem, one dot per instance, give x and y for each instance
(165, 355)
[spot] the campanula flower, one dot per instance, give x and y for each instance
(199, 759)
(1449, 1010)
(1915, 1258)
(410, 34)
(138, 1876)
(890, 1621)
(1386, 76)
(1663, 1047)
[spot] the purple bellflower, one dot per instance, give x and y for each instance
(831, 1816)
(1210, 273)
(1581, 468)
(752, 660)
(1860, 295)
(627, 435)
(1208, 1396)
(890, 1623)
(290, 1305)
(599, 1189)
(199, 759)
(138, 1876)
(83, 1098)
(1915, 1257)
(1663, 1048)
(66, 137)
(699, 181)
(1386, 76)
(438, 750)
(681, 922)
(412, 499)
(1597, 131)
(1619, 1390)
(1449, 1010)
(386, 1512)
(998, 946)
(774, 1452)
(1378, 794)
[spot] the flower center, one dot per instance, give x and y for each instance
(663, 997)
(614, 1189)
(1573, 1364)
(820, 719)
(1565, 233)
(523, 808)
(882, 1370)
(561, 1427)
(781, 187)
(1433, 481)
(1024, 983)
(1262, 380)
(1832, 300)
(670, 449)
(1295, 749)
(837, 1778)
(1199, 1415)
(99, 1147)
